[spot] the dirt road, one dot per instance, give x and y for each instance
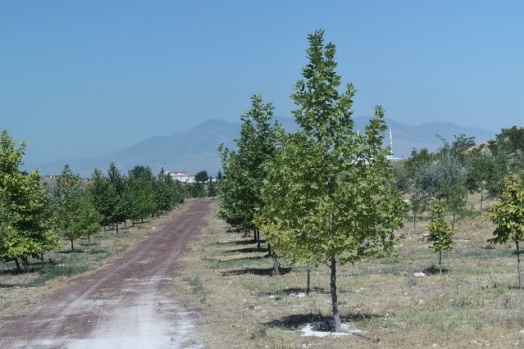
(127, 304)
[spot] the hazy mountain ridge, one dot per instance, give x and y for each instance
(196, 149)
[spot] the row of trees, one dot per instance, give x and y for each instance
(458, 169)
(327, 194)
(34, 215)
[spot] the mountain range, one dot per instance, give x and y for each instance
(195, 149)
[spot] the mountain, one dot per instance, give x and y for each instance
(195, 149)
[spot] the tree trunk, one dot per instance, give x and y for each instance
(72, 246)
(414, 221)
(518, 266)
(308, 282)
(440, 260)
(116, 227)
(276, 267)
(481, 198)
(258, 239)
(17, 263)
(334, 301)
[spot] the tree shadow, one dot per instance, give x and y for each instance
(233, 243)
(256, 271)
(324, 322)
(248, 250)
(295, 291)
(434, 270)
(69, 251)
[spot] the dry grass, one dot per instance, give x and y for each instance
(474, 303)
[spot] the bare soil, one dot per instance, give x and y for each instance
(129, 303)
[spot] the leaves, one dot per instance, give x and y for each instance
(25, 215)
(329, 190)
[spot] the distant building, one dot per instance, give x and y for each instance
(182, 176)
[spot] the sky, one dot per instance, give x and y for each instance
(83, 79)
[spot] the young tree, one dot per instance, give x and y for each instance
(87, 220)
(67, 200)
(119, 208)
(330, 194)
(168, 192)
(212, 189)
(243, 168)
(440, 232)
(508, 215)
(140, 193)
(98, 188)
(480, 168)
(25, 215)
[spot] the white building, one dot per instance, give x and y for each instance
(182, 176)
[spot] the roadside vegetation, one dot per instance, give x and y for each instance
(38, 214)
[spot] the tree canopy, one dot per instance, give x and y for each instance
(26, 227)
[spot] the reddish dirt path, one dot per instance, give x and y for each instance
(127, 304)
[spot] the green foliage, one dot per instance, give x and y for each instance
(440, 232)
(140, 192)
(330, 190)
(201, 176)
(75, 214)
(168, 192)
(508, 212)
(445, 179)
(508, 215)
(243, 169)
(25, 215)
(506, 155)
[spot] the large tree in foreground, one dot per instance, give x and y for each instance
(25, 217)
(330, 196)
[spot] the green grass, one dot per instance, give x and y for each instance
(62, 267)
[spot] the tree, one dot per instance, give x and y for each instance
(481, 167)
(440, 232)
(25, 215)
(244, 168)
(212, 189)
(99, 190)
(119, 208)
(508, 215)
(67, 200)
(330, 196)
(168, 192)
(445, 180)
(87, 220)
(140, 193)
(201, 176)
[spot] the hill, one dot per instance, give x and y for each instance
(196, 149)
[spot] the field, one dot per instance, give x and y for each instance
(473, 303)
(238, 303)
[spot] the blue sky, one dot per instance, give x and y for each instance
(83, 79)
